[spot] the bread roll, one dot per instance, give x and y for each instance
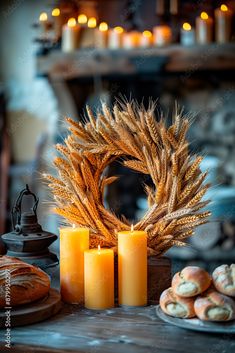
(176, 306)
(191, 281)
(21, 283)
(214, 306)
(224, 279)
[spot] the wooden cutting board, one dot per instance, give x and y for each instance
(31, 313)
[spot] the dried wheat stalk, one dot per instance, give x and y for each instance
(145, 145)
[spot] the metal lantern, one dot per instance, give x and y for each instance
(28, 241)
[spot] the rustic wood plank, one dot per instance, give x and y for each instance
(116, 330)
(174, 58)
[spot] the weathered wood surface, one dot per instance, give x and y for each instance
(34, 312)
(174, 58)
(118, 330)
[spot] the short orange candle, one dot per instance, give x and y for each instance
(99, 278)
(73, 243)
(132, 268)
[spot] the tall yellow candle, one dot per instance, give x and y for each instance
(73, 243)
(99, 278)
(132, 268)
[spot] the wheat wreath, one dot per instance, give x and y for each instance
(133, 135)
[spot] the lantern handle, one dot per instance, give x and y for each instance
(16, 210)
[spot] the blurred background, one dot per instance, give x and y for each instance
(58, 56)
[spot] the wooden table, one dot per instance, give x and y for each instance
(118, 331)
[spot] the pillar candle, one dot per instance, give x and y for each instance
(160, 7)
(44, 22)
(70, 36)
(162, 35)
(187, 35)
(73, 243)
(131, 40)
(223, 24)
(132, 268)
(204, 28)
(115, 37)
(174, 7)
(57, 22)
(101, 36)
(88, 33)
(99, 278)
(146, 39)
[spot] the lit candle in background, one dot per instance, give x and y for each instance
(73, 242)
(223, 24)
(131, 39)
(101, 36)
(43, 19)
(162, 35)
(99, 278)
(91, 23)
(174, 5)
(115, 37)
(88, 32)
(187, 35)
(146, 39)
(57, 22)
(82, 19)
(204, 28)
(70, 36)
(132, 268)
(160, 7)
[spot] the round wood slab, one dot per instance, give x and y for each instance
(34, 312)
(196, 324)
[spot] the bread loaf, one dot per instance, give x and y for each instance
(21, 283)
(191, 281)
(176, 306)
(214, 306)
(224, 279)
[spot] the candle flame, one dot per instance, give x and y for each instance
(82, 19)
(132, 228)
(92, 22)
(99, 249)
(118, 29)
(204, 16)
(74, 226)
(71, 22)
(187, 26)
(43, 17)
(224, 8)
(55, 12)
(103, 27)
(147, 34)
